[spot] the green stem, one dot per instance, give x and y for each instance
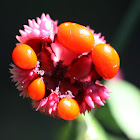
(94, 129)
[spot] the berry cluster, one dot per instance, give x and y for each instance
(60, 67)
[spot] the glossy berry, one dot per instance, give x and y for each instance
(75, 37)
(68, 109)
(106, 60)
(24, 57)
(36, 89)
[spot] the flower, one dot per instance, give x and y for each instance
(65, 73)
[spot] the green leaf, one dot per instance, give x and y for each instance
(114, 137)
(104, 116)
(85, 127)
(124, 104)
(94, 129)
(72, 130)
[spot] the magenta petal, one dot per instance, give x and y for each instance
(97, 37)
(55, 107)
(42, 103)
(84, 107)
(103, 101)
(95, 95)
(97, 99)
(22, 78)
(45, 27)
(89, 101)
(52, 103)
(104, 95)
(50, 111)
(48, 104)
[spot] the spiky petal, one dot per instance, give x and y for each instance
(97, 37)
(43, 28)
(49, 104)
(95, 95)
(22, 78)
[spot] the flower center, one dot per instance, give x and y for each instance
(69, 76)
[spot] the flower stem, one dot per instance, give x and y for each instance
(94, 129)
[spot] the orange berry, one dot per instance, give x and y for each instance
(24, 57)
(36, 89)
(68, 109)
(75, 37)
(106, 60)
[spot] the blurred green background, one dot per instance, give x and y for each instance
(119, 22)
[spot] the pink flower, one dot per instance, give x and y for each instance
(65, 73)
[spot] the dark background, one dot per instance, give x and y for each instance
(17, 118)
